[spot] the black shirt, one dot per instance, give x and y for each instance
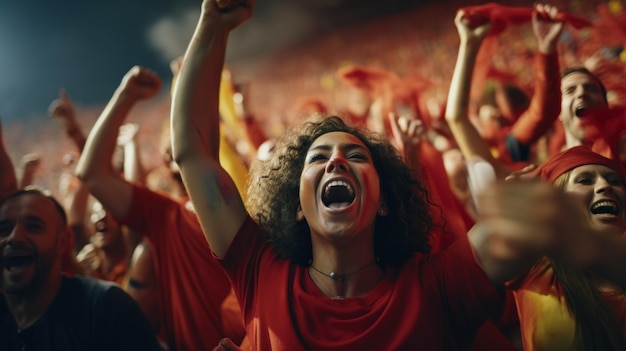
(519, 152)
(86, 314)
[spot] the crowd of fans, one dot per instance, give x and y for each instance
(391, 186)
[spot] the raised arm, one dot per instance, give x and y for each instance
(127, 139)
(408, 133)
(62, 110)
(195, 125)
(467, 137)
(545, 104)
(8, 180)
(95, 167)
(30, 164)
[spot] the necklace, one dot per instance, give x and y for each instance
(342, 277)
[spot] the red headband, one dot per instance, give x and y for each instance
(571, 158)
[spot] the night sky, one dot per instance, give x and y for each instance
(87, 46)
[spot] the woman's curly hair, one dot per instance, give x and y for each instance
(273, 196)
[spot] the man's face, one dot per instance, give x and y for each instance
(581, 95)
(32, 238)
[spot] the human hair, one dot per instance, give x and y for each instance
(34, 190)
(584, 70)
(273, 196)
(596, 327)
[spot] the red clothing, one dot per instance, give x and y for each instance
(448, 213)
(541, 114)
(199, 308)
(545, 104)
(434, 302)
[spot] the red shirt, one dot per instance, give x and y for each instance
(432, 302)
(199, 308)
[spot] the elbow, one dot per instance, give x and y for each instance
(186, 148)
(81, 172)
(452, 119)
(178, 154)
(89, 173)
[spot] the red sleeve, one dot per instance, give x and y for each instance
(242, 261)
(545, 104)
(150, 211)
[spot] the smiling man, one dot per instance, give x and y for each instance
(42, 309)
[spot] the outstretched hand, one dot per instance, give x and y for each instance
(62, 110)
(469, 31)
(524, 173)
(407, 132)
(546, 27)
(231, 13)
(537, 218)
(140, 83)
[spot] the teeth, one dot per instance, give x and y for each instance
(338, 194)
(340, 183)
(605, 208)
(604, 203)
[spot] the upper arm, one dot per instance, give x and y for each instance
(8, 180)
(114, 193)
(216, 200)
(142, 283)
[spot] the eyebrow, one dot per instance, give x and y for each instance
(345, 147)
(36, 219)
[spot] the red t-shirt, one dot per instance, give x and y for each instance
(199, 307)
(433, 302)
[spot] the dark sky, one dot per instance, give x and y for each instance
(87, 46)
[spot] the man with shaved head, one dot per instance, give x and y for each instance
(43, 309)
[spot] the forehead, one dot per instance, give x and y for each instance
(593, 168)
(576, 78)
(337, 139)
(28, 205)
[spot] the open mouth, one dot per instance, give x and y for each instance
(17, 262)
(581, 111)
(338, 194)
(605, 208)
